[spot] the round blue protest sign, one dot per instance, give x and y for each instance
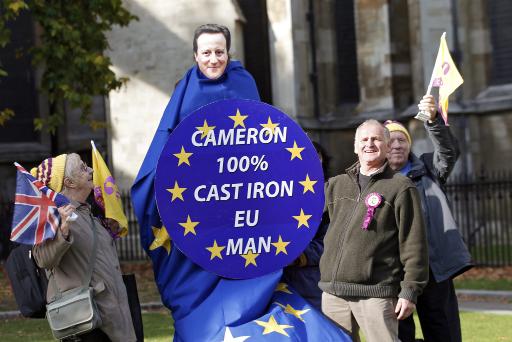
(239, 188)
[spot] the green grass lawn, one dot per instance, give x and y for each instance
(485, 327)
(481, 327)
(158, 327)
(477, 327)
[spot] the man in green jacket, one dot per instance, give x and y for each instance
(375, 261)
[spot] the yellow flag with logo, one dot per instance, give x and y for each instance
(106, 192)
(445, 76)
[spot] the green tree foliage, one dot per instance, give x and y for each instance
(71, 52)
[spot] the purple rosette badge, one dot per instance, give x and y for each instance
(239, 188)
(372, 201)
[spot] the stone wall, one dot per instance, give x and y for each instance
(154, 52)
(397, 42)
(396, 53)
(282, 57)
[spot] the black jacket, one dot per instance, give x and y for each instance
(304, 278)
(448, 255)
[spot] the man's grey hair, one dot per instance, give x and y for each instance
(387, 135)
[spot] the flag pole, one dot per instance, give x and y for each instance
(429, 89)
(424, 115)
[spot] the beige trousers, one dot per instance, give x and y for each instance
(375, 316)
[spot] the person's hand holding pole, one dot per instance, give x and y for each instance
(427, 107)
(66, 215)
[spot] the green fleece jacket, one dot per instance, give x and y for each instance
(390, 258)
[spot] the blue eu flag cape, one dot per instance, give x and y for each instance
(206, 307)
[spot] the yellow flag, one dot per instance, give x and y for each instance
(106, 193)
(445, 76)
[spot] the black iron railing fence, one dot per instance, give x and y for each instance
(482, 206)
(129, 247)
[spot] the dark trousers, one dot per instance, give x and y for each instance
(438, 312)
(96, 335)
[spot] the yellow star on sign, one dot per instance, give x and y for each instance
(177, 192)
(162, 239)
(295, 151)
(238, 119)
(205, 129)
(280, 246)
(183, 156)
(290, 310)
(272, 326)
(189, 226)
(270, 125)
(215, 250)
(308, 184)
(302, 219)
(283, 287)
(250, 258)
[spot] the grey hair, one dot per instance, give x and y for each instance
(72, 165)
(387, 135)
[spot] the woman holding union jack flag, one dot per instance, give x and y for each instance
(67, 256)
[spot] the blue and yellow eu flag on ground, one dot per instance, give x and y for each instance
(206, 307)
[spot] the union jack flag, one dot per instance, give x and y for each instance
(36, 217)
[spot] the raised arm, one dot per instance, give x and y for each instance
(446, 148)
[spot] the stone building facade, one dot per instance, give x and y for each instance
(330, 65)
(155, 52)
(374, 60)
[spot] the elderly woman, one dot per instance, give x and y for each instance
(68, 255)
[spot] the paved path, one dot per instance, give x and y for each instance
(486, 293)
(493, 302)
(486, 307)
